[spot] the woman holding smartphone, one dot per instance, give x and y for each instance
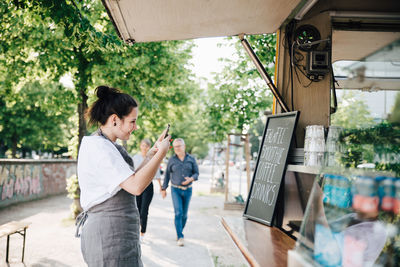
(109, 184)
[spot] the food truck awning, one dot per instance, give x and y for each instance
(159, 20)
(359, 28)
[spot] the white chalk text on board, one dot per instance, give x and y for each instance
(265, 188)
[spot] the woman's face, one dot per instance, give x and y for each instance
(144, 148)
(128, 124)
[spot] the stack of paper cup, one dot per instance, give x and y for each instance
(332, 145)
(314, 145)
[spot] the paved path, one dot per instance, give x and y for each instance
(50, 238)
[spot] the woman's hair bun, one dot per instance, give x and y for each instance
(104, 91)
(110, 101)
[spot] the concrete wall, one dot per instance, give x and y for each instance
(23, 180)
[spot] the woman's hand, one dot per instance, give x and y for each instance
(160, 143)
(163, 146)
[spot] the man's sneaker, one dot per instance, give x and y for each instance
(180, 242)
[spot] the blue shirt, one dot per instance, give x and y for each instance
(177, 170)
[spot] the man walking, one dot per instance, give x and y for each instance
(182, 170)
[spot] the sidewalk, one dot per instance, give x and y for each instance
(50, 238)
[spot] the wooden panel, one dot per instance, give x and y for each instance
(156, 20)
(312, 101)
(261, 245)
(355, 45)
(354, 6)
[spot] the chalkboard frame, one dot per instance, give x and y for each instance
(294, 114)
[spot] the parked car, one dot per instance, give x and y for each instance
(206, 162)
(242, 165)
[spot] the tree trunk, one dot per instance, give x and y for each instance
(14, 147)
(83, 78)
(82, 107)
(3, 149)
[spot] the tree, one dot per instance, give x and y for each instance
(157, 76)
(238, 96)
(394, 116)
(34, 108)
(352, 112)
(77, 39)
(256, 131)
(35, 117)
(60, 41)
(192, 127)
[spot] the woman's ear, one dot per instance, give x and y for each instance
(113, 119)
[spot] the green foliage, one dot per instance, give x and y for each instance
(156, 75)
(73, 187)
(83, 23)
(35, 117)
(394, 116)
(383, 141)
(363, 142)
(238, 96)
(191, 126)
(256, 132)
(186, 122)
(46, 40)
(35, 48)
(74, 193)
(352, 112)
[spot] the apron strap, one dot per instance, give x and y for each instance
(80, 221)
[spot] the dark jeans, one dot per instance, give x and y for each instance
(180, 199)
(143, 203)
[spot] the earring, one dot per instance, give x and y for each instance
(115, 124)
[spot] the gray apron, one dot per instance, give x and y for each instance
(110, 230)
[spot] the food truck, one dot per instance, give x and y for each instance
(335, 215)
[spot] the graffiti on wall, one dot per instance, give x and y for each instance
(54, 176)
(19, 180)
(56, 171)
(27, 181)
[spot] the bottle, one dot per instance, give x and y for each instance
(386, 192)
(365, 199)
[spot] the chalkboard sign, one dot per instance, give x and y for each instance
(270, 167)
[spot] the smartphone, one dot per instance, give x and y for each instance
(166, 133)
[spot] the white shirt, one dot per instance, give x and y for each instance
(101, 169)
(138, 159)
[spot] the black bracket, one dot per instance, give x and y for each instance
(264, 74)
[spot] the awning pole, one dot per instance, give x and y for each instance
(264, 74)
